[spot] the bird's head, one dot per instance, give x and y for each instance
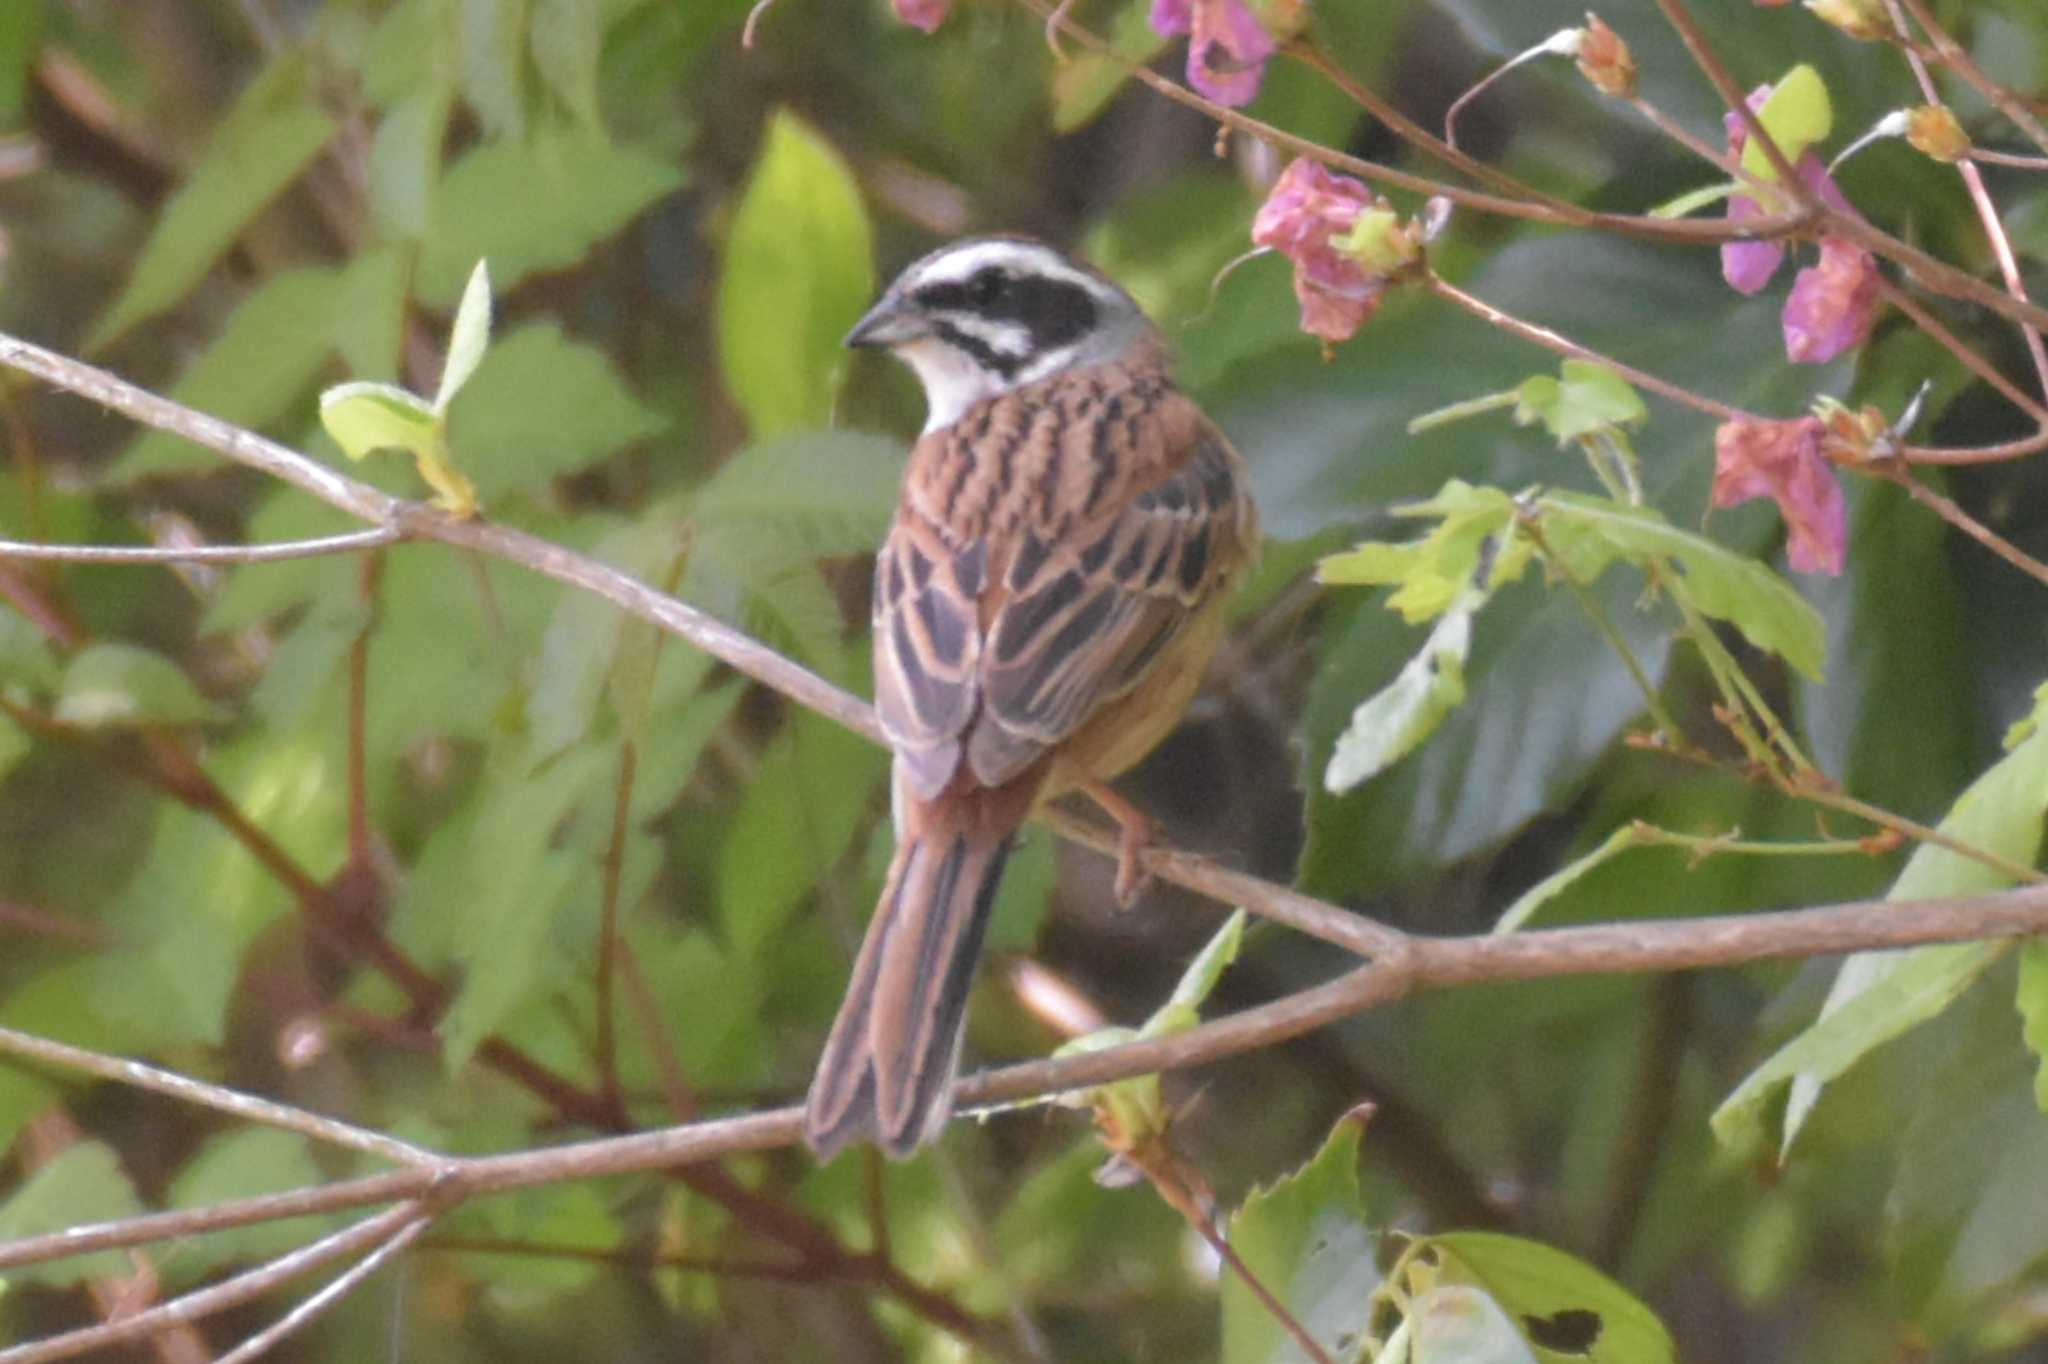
(989, 314)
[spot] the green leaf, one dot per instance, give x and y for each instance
(1694, 200)
(568, 36)
(85, 1183)
(1434, 573)
(493, 65)
(366, 417)
(257, 1160)
(1797, 114)
(1456, 1324)
(570, 192)
(540, 406)
(1083, 86)
(272, 133)
(110, 685)
(468, 337)
(1564, 1307)
(798, 272)
(369, 313)
(1589, 398)
(1877, 996)
(1589, 533)
(405, 162)
(1306, 1240)
(519, 874)
(1389, 724)
(1183, 1008)
(2033, 1006)
(273, 346)
(1558, 882)
(21, 36)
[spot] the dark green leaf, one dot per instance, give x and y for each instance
(2033, 1006)
(21, 35)
(799, 270)
(1306, 1239)
(270, 135)
(542, 405)
(571, 194)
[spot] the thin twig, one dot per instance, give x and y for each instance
(346, 543)
(331, 1293)
(199, 1092)
(1956, 58)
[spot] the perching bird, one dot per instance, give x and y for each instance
(1046, 603)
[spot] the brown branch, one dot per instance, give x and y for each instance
(1420, 964)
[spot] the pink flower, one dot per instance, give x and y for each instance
(924, 14)
(1833, 304)
(1781, 460)
(1308, 208)
(1228, 52)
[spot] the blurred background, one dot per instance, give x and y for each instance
(240, 201)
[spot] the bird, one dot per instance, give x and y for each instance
(1048, 597)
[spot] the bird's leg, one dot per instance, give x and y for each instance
(1135, 834)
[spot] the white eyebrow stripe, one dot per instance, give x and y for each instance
(960, 265)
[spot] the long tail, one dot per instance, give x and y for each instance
(887, 1071)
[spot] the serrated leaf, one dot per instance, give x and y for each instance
(1306, 1239)
(1389, 724)
(262, 144)
(1588, 398)
(2033, 1007)
(468, 337)
(111, 685)
(542, 405)
(268, 353)
(1877, 996)
(571, 192)
(84, 1183)
(1797, 114)
(798, 272)
(1589, 533)
(365, 417)
(1556, 1299)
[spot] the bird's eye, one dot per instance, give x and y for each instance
(986, 287)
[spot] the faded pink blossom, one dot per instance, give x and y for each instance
(924, 14)
(1781, 460)
(1309, 207)
(1833, 305)
(1228, 49)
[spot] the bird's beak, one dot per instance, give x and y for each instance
(891, 322)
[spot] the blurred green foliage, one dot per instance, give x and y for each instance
(243, 204)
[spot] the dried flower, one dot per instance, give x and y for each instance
(1833, 304)
(1304, 217)
(1228, 48)
(1934, 131)
(1604, 59)
(1782, 460)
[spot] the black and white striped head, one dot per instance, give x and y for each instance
(989, 314)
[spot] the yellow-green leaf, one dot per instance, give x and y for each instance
(1796, 114)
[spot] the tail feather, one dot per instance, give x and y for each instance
(887, 1069)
